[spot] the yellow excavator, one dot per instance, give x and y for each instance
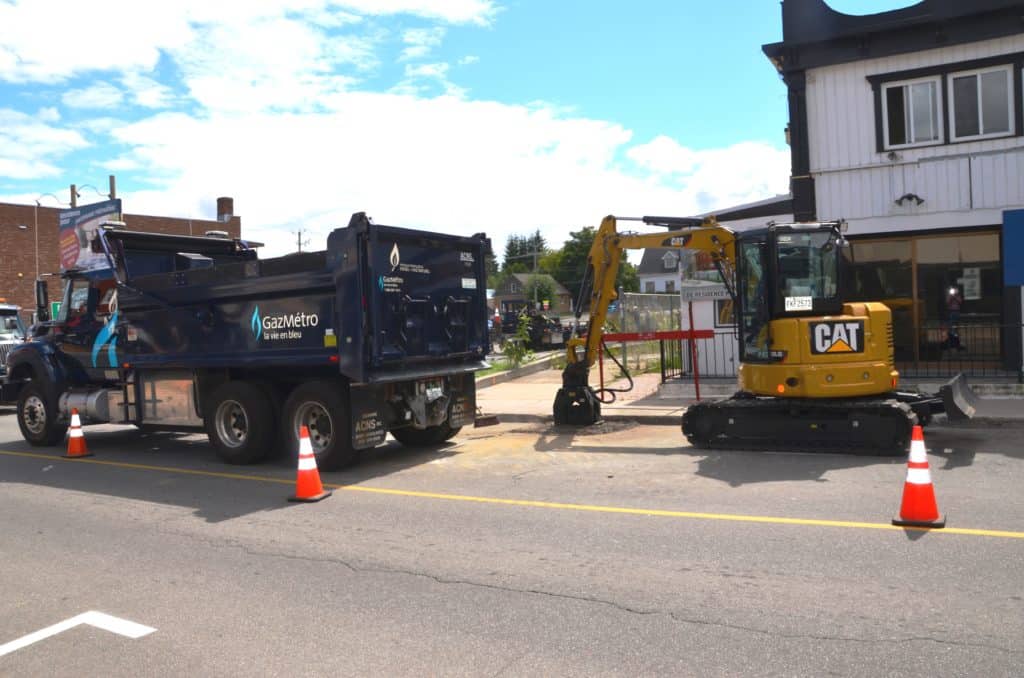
(815, 370)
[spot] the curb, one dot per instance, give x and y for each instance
(661, 419)
(501, 377)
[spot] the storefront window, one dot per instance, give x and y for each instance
(883, 271)
(960, 295)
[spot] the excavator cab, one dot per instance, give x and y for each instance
(790, 270)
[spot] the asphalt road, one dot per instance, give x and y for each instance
(516, 550)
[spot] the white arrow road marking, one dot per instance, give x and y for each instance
(122, 627)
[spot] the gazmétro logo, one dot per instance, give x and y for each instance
(284, 326)
(256, 324)
(837, 337)
(395, 259)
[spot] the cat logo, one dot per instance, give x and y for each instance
(837, 337)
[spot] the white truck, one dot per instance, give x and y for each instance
(12, 332)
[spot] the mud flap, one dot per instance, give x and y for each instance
(462, 410)
(958, 399)
(368, 417)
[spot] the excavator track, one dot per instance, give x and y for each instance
(745, 421)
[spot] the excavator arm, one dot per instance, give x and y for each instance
(576, 402)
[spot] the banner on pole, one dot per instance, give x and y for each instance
(78, 229)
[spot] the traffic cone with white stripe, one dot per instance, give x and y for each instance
(918, 508)
(76, 440)
(307, 484)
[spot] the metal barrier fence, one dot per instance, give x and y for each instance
(717, 357)
(990, 351)
(976, 350)
(643, 313)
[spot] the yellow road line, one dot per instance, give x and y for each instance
(775, 520)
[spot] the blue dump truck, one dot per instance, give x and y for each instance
(379, 333)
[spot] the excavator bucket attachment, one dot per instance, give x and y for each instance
(958, 399)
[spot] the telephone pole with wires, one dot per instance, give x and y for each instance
(301, 241)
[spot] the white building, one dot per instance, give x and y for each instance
(909, 124)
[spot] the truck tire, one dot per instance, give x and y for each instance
(432, 435)
(38, 417)
(240, 422)
(323, 408)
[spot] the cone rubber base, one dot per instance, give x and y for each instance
(77, 456)
(315, 497)
(938, 522)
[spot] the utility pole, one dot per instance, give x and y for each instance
(299, 240)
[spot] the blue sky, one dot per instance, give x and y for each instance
(456, 115)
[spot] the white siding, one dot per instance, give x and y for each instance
(855, 181)
(659, 280)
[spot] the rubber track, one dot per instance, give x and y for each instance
(901, 415)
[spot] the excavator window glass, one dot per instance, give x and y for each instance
(808, 268)
(753, 289)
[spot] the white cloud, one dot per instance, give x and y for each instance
(282, 127)
(29, 146)
(716, 178)
(468, 59)
(53, 40)
(443, 164)
(423, 79)
(421, 41)
(48, 114)
(98, 95)
(146, 91)
(480, 12)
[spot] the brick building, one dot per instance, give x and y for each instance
(18, 253)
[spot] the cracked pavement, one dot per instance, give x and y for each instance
(239, 582)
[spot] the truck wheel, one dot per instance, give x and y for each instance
(240, 422)
(323, 408)
(37, 416)
(432, 435)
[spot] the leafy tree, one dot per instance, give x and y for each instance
(540, 289)
(513, 250)
(571, 264)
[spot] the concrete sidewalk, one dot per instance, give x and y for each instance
(530, 398)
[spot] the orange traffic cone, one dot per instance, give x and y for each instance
(307, 483)
(76, 441)
(919, 508)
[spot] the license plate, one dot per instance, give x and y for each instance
(432, 388)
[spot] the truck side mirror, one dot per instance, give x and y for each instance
(42, 301)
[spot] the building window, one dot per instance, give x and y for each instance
(911, 113)
(670, 285)
(649, 287)
(980, 103)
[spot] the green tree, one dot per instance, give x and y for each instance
(536, 243)
(571, 266)
(538, 289)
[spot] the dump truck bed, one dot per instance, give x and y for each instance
(379, 304)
